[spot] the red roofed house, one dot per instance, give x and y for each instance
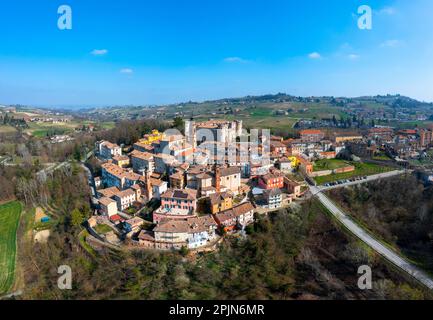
(312, 136)
(116, 219)
(176, 204)
(192, 233)
(408, 132)
(328, 155)
(277, 147)
(237, 217)
(272, 180)
(305, 165)
(380, 133)
(293, 187)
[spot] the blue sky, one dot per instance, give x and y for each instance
(155, 52)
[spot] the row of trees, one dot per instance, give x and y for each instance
(128, 132)
(12, 121)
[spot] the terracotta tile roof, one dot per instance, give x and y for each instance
(191, 225)
(110, 145)
(132, 176)
(381, 130)
(120, 158)
(183, 194)
(106, 201)
(272, 193)
(114, 170)
(157, 182)
(194, 170)
(115, 218)
(109, 192)
(178, 176)
(218, 198)
(235, 212)
(156, 175)
(304, 132)
(167, 158)
(136, 187)
(174, 137)
(270, 176)
(278, 144)
(146, 235)
(225, 172)
(143, 146)
(134, 222)
(184, 166)
(125, 193)
(142, 155)
(204, 176)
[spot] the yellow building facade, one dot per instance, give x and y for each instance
(155, 136)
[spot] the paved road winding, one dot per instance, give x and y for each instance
(368, 179)
(368, 239)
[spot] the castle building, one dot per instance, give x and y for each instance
(212, 130)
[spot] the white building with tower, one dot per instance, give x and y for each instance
(213, 130)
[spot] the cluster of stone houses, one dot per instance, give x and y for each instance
(113, 200)
(199, 187)
(156, 169)
(209, 182)
(401, 145)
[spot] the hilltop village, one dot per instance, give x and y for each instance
(170, 191)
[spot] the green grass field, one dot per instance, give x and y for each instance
(103, 229)
(330, 164)
(361, 169)
(382, 157)
(40, 130)
(7, 129)
(9, 219)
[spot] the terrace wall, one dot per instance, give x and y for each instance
(329, 172)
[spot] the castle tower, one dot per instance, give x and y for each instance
(217, 178)
(239, 127)
(191, 132)
(149, 192)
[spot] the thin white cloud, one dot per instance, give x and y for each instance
(235, 60)
(353, 56)
(315, 55)
(394, 43)
(126, 71)
(99, 52)
(389, 11)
